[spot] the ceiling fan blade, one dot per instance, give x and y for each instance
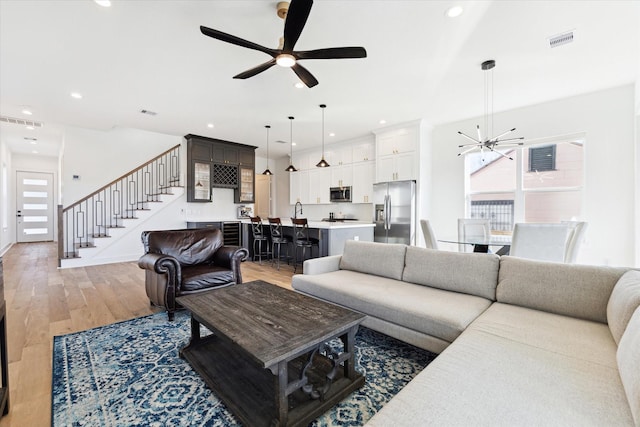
(256, 70)
(219, 35)
(304, 74)
(332, 53)
(296, 19)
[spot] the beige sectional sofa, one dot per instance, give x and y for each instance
(521, 342)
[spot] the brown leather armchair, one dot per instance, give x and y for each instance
(182, 262)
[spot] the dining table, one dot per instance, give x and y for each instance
(484, 245)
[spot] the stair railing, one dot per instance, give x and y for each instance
(92, 216)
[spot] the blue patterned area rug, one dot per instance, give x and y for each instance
(130, 374)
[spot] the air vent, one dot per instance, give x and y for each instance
(148, 112)
(561, 39)
(20, 122)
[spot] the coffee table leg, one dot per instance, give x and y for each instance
(282, 401)
(348, 340)
(195, 330)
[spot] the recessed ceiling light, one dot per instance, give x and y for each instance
(299, 85)
(210, 126)
(454, 12)
(293, 143)
(27, 112)
(30, 127)
(383, 121)
(76, 95)
(332, 134)
(34, 151)
(34, 143)
(103, 3)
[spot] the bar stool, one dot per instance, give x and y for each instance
(259, 237)
(302, 240)
(277, 240)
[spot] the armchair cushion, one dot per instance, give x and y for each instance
(199, 277)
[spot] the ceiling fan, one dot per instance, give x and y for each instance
(296, 18)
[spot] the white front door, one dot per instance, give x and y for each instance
(34, 205)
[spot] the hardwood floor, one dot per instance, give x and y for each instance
(43, 301)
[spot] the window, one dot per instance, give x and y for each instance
(542, 158)
(542, 184)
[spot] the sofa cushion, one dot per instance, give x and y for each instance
(381, 259)
(434, 312)
(624, 300)
(516, 366)
(469, 273)
(573, 290)
(629, 364)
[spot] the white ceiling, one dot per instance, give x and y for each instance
(141, 54)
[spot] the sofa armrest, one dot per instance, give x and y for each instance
(322, 265)
(230, 257)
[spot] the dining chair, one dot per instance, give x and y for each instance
(302, 240)
(576, 237)
(278, 238)
(259, 238)
(472, 229)
(429, 235)
(544, 242)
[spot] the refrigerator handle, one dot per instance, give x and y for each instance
(384, 219)
(388, 212)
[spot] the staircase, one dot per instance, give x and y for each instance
(105, 226)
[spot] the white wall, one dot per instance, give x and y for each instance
(100, 157)
(607, 118)
(7, 234)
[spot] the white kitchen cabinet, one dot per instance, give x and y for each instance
(397, 142)
(338, 156)
(364, 152)
(299, 187)
(363, 177)
(396, 167)
(341, 176)
(318, 183)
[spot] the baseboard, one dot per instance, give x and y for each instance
(5, 249)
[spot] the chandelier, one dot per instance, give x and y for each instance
(485, 142)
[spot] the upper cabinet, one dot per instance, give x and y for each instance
(364, 152)
(397, 154)
(222, 164)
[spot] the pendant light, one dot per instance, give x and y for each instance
(489, 143)
(267, 171)
(322, 163)
(291, 168)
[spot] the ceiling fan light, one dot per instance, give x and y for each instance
(285, 60)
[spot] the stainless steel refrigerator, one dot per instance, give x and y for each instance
(394, 214)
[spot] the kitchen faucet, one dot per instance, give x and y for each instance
(295, 209)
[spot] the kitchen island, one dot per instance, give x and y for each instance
(331, 235)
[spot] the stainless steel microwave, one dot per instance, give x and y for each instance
(340, 194)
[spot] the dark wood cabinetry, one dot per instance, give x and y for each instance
(214, 163)
(230, 230)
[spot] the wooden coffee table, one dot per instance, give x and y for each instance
(267, 358)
